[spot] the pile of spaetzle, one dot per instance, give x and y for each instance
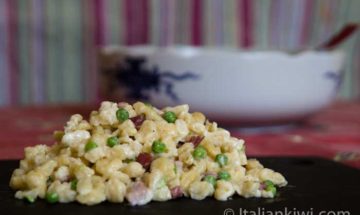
(138, 153)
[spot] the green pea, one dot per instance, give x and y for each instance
(30, 199)
(268, 183)
(170, 116)
(158, 147)
(223, 175)
(221, 159)
(211, 179)
(73, 184)
(112, 141)
(52, 197)
(271, 189)
(199, 152)
(122, 114)
(90, 145)
(270, 186)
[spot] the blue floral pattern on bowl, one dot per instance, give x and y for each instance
(336, 77)
(139, 80)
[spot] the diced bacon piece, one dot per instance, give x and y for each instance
(195, 140)
(144, 159)
(138, 120)
(176, 192)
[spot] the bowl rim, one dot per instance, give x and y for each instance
(191, 51)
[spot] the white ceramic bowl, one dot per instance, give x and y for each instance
(235, 86)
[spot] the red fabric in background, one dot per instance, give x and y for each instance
(333, 133)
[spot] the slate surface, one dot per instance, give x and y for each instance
(315, 185)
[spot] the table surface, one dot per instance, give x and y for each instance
(333, 133)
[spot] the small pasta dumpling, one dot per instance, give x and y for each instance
(47, 168)
(94, 118)
(165, 166)
(127, 129)
(136, 146)
(26, 165)
(147, 132)
(218, 137)
(63, 190)
(18, 180)
(35, 180)
(211, 126)
(133, 169)
(198, 117)
(237, 173)
(198, 128)
(180, 109)
(65, 160)
(275, 177)
(250, 188)
(166, 131)
(233, 158)
(100, 138)
(122, 177)
(65, 152)
(95, 154)
(122, 151)
(185, 116)
(98, 130)
(140, 108)
(185, 153)
(162, 193)
(96, 194)
(115, 190)
(107, 113)
(233, 144)
(175, 182)
(31, 195)
(200, 166)
(156, 183)
(212, 166)
(254, 164)
(36, 154)
(81, 171)
(199, 190)
(150, 112)
(84, 186)
(171, 150)
(152, 179)
(224, 190)
(182, 129)
(76, 122)
(211, 149)
(128, 108)
(62, 173)
(187, 178)
(107, 167)
(74, 138)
